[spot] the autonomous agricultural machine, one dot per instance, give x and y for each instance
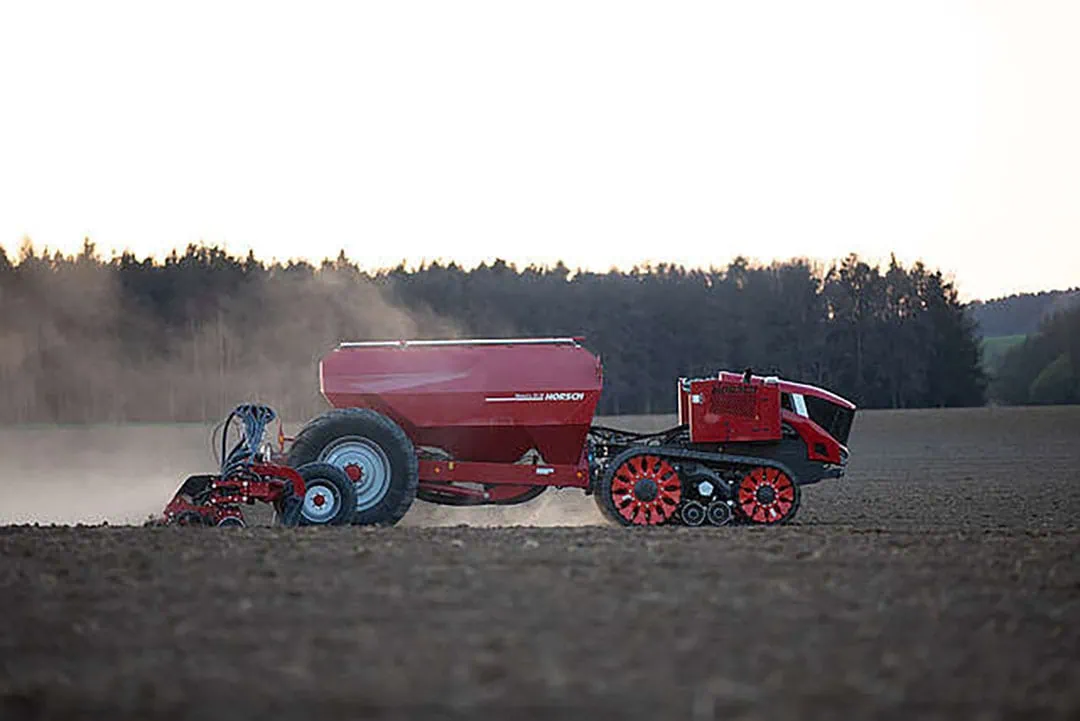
(482, 422)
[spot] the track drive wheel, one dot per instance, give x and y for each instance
(639, 489)
(767, 496)
(374, 453)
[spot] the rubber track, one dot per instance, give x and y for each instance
(707, 458)
(702, 456)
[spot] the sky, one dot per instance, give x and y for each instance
(602, 134)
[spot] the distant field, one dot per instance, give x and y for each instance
(940, 579)
(995, 348)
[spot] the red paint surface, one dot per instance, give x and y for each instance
(814, 435)
(480, 402)
(726, 409)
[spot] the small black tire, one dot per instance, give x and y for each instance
(360, 438)
(692, 513)
(337, 485)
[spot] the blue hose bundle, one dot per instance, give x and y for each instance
(255, 418)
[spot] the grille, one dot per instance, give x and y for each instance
(734, 400)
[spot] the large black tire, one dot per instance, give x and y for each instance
(334, 507)
(359, 438)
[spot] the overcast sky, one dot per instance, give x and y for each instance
(599, 133)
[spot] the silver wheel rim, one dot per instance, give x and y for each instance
(321, 502)
(372, 462)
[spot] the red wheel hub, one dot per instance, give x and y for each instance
(646, 490)
(319, 500)
(766, 495)
(354, 472)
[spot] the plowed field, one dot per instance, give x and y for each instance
(940, 579)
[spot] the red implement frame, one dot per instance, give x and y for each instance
(515, 474)
(266, 484)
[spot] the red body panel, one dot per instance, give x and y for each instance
(820, 446)
(728, 409)
(481, 400)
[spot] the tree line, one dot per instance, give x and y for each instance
(1045, 367)
(88, 339)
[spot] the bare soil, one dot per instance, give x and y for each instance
(940, 579)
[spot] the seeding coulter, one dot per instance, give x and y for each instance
(497, 422)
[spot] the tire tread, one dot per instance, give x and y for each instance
(323, 429)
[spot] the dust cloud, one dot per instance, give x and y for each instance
(77, 345)
(119, 474)
(108, 404)
(554, 507)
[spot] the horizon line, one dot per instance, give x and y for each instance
(874, 261)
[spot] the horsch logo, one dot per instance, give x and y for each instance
(553, 396)
(576, 396)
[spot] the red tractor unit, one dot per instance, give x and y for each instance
(475, 422)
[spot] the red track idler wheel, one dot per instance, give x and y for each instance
(644, 491)
(767, 496)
